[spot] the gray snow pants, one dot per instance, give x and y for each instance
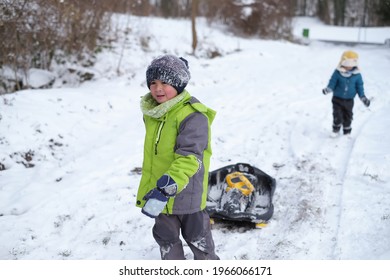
(196, 231)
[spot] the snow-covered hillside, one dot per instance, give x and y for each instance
(72, 155)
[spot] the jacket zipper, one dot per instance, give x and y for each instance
(346, 87)
(160, 127)
(158, 136)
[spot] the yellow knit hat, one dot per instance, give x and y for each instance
(349, 59)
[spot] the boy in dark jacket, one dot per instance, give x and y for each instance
(345, 82)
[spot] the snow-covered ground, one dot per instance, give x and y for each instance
(71, 155)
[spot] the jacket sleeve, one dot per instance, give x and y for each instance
(333, 81)
(191, 141)
(359, 86)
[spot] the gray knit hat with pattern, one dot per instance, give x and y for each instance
(169, 69)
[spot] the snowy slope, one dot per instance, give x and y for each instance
(72, 154)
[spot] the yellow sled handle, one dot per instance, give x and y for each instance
(237, 180)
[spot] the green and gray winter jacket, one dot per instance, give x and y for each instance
(177, 143)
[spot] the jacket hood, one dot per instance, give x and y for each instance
(200, 107)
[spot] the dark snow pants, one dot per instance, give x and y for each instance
(196, 231)
(342, 114)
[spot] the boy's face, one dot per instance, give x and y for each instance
(162, 92)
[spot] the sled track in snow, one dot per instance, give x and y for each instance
(340, 194)
(342, 176)
(319, 171)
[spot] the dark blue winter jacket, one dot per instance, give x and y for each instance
(346, 86)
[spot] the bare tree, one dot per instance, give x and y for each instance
(383, 11)
(194, 12)
(36, 32)
(339, 12)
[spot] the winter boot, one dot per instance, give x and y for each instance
(347, 130)
(336, 128)
(335, 131)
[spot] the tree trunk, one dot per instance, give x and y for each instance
(339, 12)
(194, 11)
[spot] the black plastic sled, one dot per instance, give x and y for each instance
(242, 193)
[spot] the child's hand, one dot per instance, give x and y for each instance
(157, 198)
(155, 203)
(167, 185)
(327, 90)
(365, 101)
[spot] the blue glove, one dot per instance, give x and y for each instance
(158, 197)
(155, 203)
(365, 101)
(327, 90)
(167, 185)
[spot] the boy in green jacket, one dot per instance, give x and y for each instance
(177, 151)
